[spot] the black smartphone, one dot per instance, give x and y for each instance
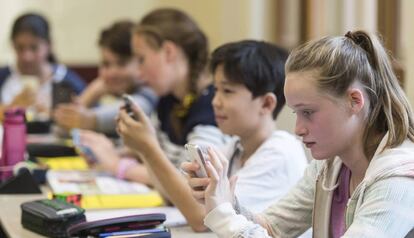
(62, 92)
(128, 101)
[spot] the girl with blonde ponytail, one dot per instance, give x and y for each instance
(358, 124)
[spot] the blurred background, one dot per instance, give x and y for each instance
(76, 25)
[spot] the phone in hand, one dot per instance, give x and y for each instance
(84, 150)
(128, 102)
(62, 92)
(200, 155)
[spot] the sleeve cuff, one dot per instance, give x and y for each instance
(224, 221)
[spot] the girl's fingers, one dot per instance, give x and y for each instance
(198, 182)
(122, 129)
(125, 118)
(138, 112)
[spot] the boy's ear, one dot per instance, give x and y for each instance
(269, 102)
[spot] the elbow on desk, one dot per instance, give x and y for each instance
(198, 227)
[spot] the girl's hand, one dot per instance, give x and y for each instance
(25, 98)
(220, 189)
(102, 149)
(73, 115)
(138, 134)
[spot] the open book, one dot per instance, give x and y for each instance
(99, 190)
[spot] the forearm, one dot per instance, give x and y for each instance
(174, 185)
(90, 96)
(139, 173)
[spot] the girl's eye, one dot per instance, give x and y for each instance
(307, 113)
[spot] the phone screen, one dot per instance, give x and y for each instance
(84, 150)
(61, 93)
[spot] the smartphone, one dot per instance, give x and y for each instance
(128, 101)
(200, 155)
(62, 92)
(84, 150)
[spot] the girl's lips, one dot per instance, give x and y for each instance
(309, 144)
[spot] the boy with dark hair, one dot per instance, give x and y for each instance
(257, 65)
(249, 79)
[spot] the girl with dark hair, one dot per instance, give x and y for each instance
(29, 81)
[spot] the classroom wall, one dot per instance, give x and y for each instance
(407, 46)
(77, 23)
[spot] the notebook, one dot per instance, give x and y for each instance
(99, 190)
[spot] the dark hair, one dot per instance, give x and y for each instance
(258, 65)
(117, 38)
(176, 26)
(36, 25)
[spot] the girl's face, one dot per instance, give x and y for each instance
(118, 74)
(326, 124)
(31, 52)
(153, 66)
(235, 109)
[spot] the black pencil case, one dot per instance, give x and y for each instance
(147, 225)
(51, 218)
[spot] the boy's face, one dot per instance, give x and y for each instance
(236, 112)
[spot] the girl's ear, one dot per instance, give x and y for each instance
(269, 102)
(170, 50)
(356, 99)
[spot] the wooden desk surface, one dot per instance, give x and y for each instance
(10, 219)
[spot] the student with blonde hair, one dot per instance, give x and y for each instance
(356, 120)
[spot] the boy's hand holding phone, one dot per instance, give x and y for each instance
(218, 188)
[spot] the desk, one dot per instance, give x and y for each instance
(10, 219)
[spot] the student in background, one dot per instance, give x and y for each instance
(358, 124)
(172, 55)
(28, 82)
(118, 74)
(248, 80)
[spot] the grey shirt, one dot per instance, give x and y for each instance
(105, 114)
